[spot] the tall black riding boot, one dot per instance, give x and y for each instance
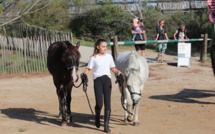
(97, 118)
(106, 121)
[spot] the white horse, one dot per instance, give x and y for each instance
(135, 70)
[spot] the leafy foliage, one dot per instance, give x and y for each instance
(4, 4)
(198, 23)
(55, 16)
(103, 22)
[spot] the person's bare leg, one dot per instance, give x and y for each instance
(143, 53)
(158, 59)
(162, 57)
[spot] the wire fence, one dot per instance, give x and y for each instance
(23, 48)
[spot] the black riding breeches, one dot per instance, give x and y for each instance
(102, 88)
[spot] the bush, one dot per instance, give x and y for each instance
(103, 22)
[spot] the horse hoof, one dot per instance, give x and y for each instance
(64, 123)
(71, 119)
(130, 118)
(136, 124)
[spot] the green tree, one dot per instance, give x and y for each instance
(198, 23)
(55, 16)
(4, 4)
(103, 22)
(151, 17)
(13, 10)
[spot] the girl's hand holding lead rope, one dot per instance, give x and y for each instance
(84, 80)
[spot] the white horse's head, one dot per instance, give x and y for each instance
(136, 74)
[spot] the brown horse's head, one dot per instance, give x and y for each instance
(71, 59)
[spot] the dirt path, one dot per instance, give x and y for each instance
(174, 101)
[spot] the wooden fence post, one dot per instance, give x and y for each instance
(114, 47)
(205, 47)
(203, 50)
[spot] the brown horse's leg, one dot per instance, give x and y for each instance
(68, 102)
(58, 95)
(62, 103)
(63, 95)
(58, 89)
(62, 100)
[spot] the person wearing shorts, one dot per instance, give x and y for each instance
(161, 35)
(140, 48)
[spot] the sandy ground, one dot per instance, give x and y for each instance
(175, 101)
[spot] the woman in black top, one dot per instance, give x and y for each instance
(161, 35)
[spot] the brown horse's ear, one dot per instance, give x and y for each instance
(78, 45)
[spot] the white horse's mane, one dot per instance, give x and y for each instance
(134, 64)
(138, 69)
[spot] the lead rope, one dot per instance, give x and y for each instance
(84, 82)
(120, 80)
(85, 90)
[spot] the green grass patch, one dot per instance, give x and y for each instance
(21, 130)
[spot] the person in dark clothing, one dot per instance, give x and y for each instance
(140, 47)
(161, 35)
(102, 63)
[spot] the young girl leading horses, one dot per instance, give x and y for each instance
(102, 63)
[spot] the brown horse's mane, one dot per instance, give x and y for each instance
(72, 50)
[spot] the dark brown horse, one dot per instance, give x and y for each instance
(213, 57)
(63, 61)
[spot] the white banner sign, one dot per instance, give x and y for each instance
(184, 54)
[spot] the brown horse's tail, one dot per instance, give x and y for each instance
(213, 57)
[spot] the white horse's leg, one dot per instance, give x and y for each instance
(125, 102)
(130, 109)
(125, 112)
(136, 109)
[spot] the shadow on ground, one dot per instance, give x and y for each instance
(44, 118)
(80, 120)
(187, 96)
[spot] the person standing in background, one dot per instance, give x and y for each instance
(140, 48)
(161, 35)
(180, 34)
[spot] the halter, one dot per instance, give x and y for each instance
(129, 89)
(72, 67)
(84, 81)
(120, 80)
(132, 93)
